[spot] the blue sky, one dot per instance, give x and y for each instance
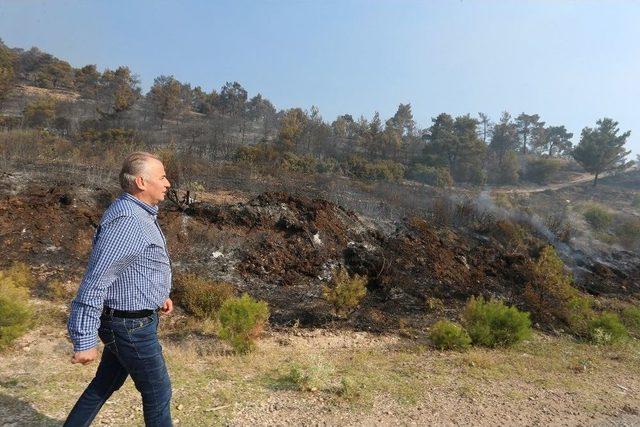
(572, 62)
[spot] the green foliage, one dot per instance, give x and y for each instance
(635, 202)
(607, 329)
(241, 321)
(258, 154)
(310, 376)
(630, 317)
(541, 170)
(601, 149)
(436, 176)
(40, 113)
(294, 163)
(200, 296)
(509, 171)
(598, 217)
(7, 73)
(447, 335)
(328, 165)
(550, 294)
(15, 312)
(345, 291)
(508, 232)
(386, 170)
(19, 274)
(493, 324)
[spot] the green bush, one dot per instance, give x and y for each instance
(345, 291)
(447, 335)
(242, 321)
(292, 162)
(635, 202)
(493, 324)
(630, 317)
(436, 176)
(309, 376)
(607, 329)
(598, 217)
(200, 296)
(15, 312)
(541, 170)
(386, 170)
(20, 275)
(551, 295)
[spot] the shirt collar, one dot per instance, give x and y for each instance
(153, 210)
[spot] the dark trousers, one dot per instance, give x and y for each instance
(131, 348)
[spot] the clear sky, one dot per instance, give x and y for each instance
(572, 62)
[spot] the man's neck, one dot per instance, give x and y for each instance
(141, 197)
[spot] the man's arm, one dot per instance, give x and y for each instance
(116, 246)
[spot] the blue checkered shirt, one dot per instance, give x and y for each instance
(129, 268)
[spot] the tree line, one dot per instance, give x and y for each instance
(226, 124)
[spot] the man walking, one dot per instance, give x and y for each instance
(127, 282)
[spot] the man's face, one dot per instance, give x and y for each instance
(155, 182)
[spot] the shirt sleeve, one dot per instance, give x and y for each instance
(116, 245)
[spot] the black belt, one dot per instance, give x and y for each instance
(128, 314)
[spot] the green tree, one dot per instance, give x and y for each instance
(528, 125)
(7, 73)
(292, 126)
(165, 98)
(57, 74)
(87, 80)
(504, 140)
(485, 126)
(454, 143)
(556, 141)
(119, 90)
(601, 149)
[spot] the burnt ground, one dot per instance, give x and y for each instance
(282, 248)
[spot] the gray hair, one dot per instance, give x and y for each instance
(133, 166)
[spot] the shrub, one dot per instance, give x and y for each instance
(492, 323)
(310, 376)
(508, 232)
(635, 202)
(631, 319)
(345, 291)
(200, 296)
(15, 312)
(20, 275)
(387, 170)
(598, 217)
(447, 335)
(541, 170)
(242, 321)
(436, 176)
(628, 232)
(607, 329)
(58, 290)
(294, 163)
(551, 288)
(40, 112)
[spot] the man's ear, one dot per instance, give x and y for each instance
(140, 183)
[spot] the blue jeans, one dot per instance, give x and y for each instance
(131, 347)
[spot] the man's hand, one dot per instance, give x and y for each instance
(167, 307)
(85, 357)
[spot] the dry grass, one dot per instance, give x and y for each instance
(347, 376)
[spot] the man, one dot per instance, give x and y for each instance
(127, 282)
